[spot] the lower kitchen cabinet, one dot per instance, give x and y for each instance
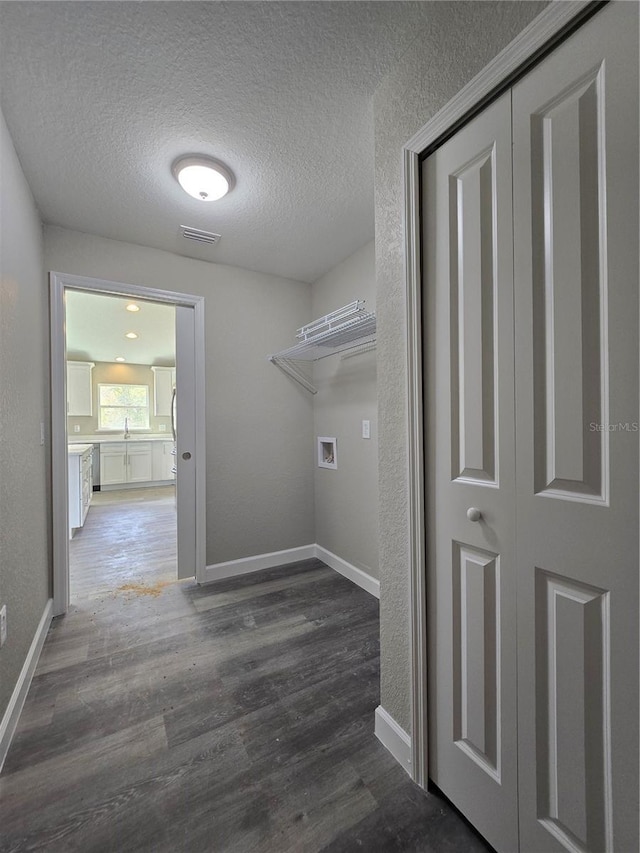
(121, 462)
(163, 460)
(113, 464)
(80, 461)
(140, 462)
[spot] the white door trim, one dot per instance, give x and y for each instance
(59, 472)
(547, 27)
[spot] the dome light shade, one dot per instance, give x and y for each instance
(203, 177)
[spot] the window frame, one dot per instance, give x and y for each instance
(146, 406)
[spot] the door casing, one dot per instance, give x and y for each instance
(58, 282)
(537, 40)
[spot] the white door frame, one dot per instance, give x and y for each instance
(560, 17)
(59, 438)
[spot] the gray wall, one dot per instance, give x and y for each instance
(259, 423)
(347, 499)
(25, 540)
(460, 40)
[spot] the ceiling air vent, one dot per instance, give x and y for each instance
(199, 236)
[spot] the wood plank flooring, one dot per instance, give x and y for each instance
(232, 718)
(129, 536)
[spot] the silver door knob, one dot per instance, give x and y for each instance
(186, 455)
(474, 514)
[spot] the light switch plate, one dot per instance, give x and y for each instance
(366, 429)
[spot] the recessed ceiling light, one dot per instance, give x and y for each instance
(133, 307)
(203, 177)
(120, 358)
(131, 335)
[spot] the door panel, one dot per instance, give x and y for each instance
(470, 457)
(569, 246)
(575, 121)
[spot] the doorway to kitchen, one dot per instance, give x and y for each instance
(119, 378)
(121, 428)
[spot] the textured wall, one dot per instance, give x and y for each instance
(259, 422)
(25, 540)
(346, 500)
(459, 40)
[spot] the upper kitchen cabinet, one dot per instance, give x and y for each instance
(79, 389)
(164, 380)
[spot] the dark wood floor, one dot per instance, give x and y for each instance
(236, 717)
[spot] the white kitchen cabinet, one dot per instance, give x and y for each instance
(113, 463)
(139, 462)
(79, 388)
(164, 380)
(124, 462)
(80, 461)
(163, 460)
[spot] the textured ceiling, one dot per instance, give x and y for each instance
(96, 326)
(101, 97)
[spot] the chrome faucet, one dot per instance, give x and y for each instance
(126, 428)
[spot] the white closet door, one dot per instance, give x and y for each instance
(470, 451)
(575, 121)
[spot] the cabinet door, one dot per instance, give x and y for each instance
(79, 390)
(169, 460)
(87, 481)
(164, 379)
(157, 460)
(113, 464)
(162, 460)
(139, 462)
(75, 492)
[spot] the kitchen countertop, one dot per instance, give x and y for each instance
(79, 449)
(90, 439)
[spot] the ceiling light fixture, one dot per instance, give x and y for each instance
(131, 335)
(120, 358)
(203, 177)
(133, 307)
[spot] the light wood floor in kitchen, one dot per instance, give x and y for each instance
(230, 718)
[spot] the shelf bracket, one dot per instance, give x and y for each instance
(292, 370)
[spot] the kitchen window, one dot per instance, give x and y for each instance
(117, 402)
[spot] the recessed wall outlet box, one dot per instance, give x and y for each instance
(3, 625)
(162, 427)
(76, 427)
(327, 452)
(366, 429)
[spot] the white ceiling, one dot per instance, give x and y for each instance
(96, 326)
(101, 97)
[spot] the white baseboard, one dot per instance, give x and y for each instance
(360, 578)
(16, 702)
(394, 738)
(233, 568)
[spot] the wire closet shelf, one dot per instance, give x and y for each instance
(349, 330)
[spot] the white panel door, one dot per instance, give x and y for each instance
(575, 121)
(557, 538)
(470, 457)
